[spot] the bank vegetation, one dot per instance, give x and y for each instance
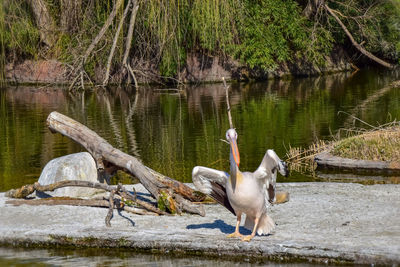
(123, 40)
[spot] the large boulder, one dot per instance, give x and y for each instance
(78, 166)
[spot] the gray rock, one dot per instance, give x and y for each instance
(78, 166)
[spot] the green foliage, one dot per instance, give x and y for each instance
(214, 23)
(374, 24)
(20, 36)
(261, 33)
(168, 29)
(390, 25)
(271, 33)
(319, 44)
(159, 34)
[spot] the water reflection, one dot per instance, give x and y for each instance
(174, 131)
(117, 257)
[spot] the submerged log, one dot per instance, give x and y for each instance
(103, 152)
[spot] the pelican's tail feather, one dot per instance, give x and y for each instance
(265, 225)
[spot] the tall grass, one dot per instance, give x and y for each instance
(19, 36)
(167, 30)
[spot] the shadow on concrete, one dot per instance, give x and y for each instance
(127, 218)
(221, 225)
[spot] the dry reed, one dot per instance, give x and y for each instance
(379, 143)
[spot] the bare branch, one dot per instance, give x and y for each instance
(114, 45)
(356, 45)
(103, 30)
(128, 42)
(89, 50)
(227, 103)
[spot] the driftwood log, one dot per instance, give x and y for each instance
(119, 198)
(164, 189)
(53, 201)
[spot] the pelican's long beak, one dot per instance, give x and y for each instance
(235, 152)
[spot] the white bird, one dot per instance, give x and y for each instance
(250, 193)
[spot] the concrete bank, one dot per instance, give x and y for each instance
(327, 222)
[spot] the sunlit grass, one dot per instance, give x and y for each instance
(380, 144)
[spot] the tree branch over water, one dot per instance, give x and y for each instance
(359, 47)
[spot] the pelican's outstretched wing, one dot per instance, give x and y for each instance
(267, 172)
(212, 182)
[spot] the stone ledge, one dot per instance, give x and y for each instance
(324, 222)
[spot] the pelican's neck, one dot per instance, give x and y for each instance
(233, 170)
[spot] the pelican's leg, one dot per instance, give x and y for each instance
(237, 233)
(247, 238)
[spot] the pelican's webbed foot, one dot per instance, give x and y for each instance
(235, 234)
(247, 238)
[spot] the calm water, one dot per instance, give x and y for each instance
(173, 131)
(116, 258)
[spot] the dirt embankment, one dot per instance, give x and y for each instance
(198, 68)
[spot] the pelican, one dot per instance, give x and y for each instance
(248, 193)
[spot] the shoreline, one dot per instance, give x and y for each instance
(54, 72)
(322, 222)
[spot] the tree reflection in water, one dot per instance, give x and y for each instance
(172, 131)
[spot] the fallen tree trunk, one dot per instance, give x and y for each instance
(102, 152)
(60, 201)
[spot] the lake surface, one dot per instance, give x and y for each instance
(173, 130)
(116, 257)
